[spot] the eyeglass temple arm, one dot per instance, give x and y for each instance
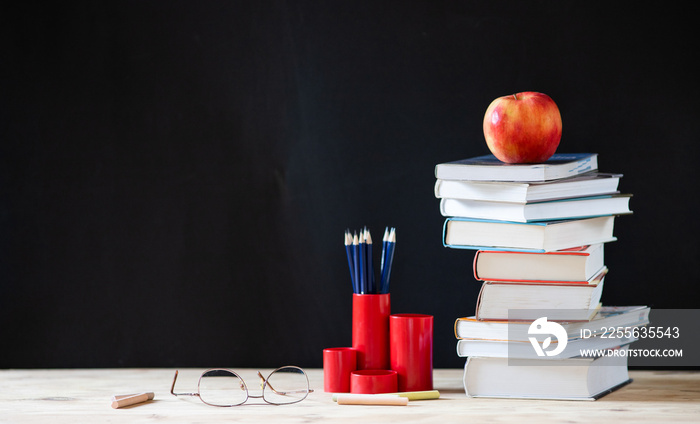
(172, 389)
(264, 382)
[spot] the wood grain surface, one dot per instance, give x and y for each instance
(84, 395)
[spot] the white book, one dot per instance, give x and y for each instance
(586, 185)
(580, 207)
(567, 379)
(526, 301)
(607, 318)
(524, 350)
(577, 265)
(546, 236)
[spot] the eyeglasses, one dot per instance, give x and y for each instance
(223, 387)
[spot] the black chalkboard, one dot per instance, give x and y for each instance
(176, 177)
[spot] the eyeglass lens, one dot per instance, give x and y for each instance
(222, 388)
(286, 385)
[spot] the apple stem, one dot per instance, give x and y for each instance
(515, 97)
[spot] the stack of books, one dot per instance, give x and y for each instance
(538, 232)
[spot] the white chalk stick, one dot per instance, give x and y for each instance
(354, 399)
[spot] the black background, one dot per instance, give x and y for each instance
(176, 177)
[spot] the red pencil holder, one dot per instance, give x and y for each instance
(412, 351)
(373, 381)
(370, 330)
(338, 363)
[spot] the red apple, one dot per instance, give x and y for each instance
(523, 128)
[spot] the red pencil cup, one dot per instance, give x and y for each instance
(370, 330)
(412, 351)
(373, 381)
(338, 363)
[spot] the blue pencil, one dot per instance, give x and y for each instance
(359, 251)
(382, 260)
(351, 260)
(363, 263)
(356, 261)
(370, 265)
(388, 260)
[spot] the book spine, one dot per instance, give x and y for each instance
(478, 302)
(456, 328)
(474, 265)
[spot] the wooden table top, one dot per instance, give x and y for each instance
(84, 395)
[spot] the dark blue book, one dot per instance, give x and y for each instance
(489, 168)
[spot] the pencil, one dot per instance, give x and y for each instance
(359, 250)
(356, 261)
(388, 260)
(370, 266)
(382, 260)
(361, 261)
(351, 260)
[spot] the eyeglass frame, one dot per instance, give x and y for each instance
(263, 383)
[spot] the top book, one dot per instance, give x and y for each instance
(488, 168)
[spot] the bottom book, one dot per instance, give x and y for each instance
(568, 379)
